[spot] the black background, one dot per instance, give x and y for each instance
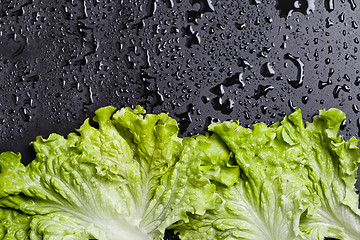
(198, 60)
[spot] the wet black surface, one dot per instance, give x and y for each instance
(198, 60)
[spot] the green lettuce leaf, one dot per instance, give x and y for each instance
(332, 168)
(130, 178)
(296, 182)
(14, 225)
(268, 199)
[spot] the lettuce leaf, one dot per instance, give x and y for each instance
(332, 168)
(296, 182)
(14, 225)
(130, 178)
(268, 199)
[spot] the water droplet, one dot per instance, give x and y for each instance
(205, 6)
(357, 81)
(330, 49)
(328, 22)
(329, 5)
(355, 108)
(268, 19)
(262, 91)
(91, 95)
(224, 106)
(240, 26)
(255, 2)
(218, 90)
(263, 53)
(151, 92)
(193, 37)
(247, 115)
(352, 4)
(358, 125)
(263, 109)
(291, 105)
(185, 118)
(346, 77)
(235, 79)
(26, 115)
(205, 99)
(300, 73)
(287, 7)
(257, 21)
(169, 3)
(341, 17)
(305, 99)
(267, 70)
(323, 84)
(338, 88)
(343, 125)
(244, 64)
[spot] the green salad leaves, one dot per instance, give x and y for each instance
(132, 177)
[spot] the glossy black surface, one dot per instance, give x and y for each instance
(198, 60)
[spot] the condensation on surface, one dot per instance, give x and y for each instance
(198, 60)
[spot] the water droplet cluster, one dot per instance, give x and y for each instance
(200, 61)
